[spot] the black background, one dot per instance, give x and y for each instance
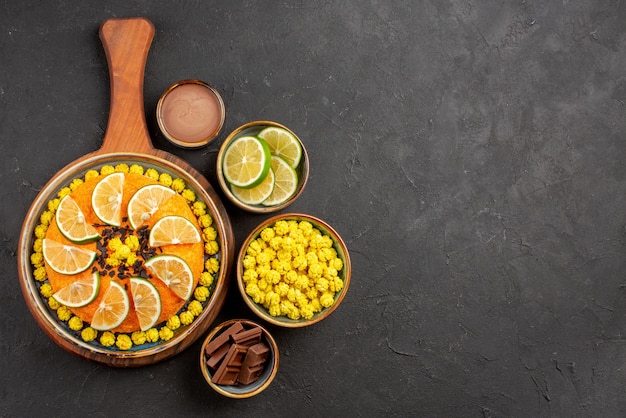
(471, 154)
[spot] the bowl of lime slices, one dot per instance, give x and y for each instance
(262, 166)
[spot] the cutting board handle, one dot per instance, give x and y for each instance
(126, 43)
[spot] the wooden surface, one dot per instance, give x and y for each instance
(126, 43)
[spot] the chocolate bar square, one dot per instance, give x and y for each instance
(223, 338)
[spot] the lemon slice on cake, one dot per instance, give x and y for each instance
(147, 302)
(145, 202)
(72, 224)
(79, 293)
(113, 308)
(106, 199)
(67, 259)
(173, 229)
(174, 272)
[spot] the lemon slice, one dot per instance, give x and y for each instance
(256, 194)
(80, 293)
(174, 272)
(106, 199)
(113, 308)
(147, 302)
(67, 259)
(246, 161)
(72, 224)
(173, 229)
(283, 144)
(145, 202)
(285, 182)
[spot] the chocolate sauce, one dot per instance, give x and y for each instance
(191, 113)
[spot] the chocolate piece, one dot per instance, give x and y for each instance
(253, 363)
(235, 355)
(223, 338)
(225, 375)
(249, 375)
(219, 354)
(228, 370)
(248, 337)
(256, 354)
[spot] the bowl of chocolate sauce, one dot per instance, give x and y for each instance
(190, 113)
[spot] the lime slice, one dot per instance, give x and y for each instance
(145, 202)
(72, 224)
(174, 272)
(285, 182)
(113, 308)
(283, 144)
(147, 302)
(246, 161)
(67, 259)
(80, 293)
(256, 194)
(173, 229)
(106, 199)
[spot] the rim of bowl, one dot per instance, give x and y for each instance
(302, 169)
(223, 389)
(185, 144)
(342, 251)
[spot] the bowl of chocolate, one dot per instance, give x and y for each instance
(239, 358)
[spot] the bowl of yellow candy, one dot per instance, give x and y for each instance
(293, 270)
(262, 166)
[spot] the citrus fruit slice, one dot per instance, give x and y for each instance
(283, 144)
(173, 229)
(174, 272)
(256, 194)
(106, 199)
(79, 293)
(145, 202)
(147, 302)
(246, 161)
(67, 259)
(285, 182)
(72, 224)
(113, 308)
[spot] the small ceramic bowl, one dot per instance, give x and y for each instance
(253, 128)
(190, 113)
(238, 390)
(344, 273)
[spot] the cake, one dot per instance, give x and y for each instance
(126, 250)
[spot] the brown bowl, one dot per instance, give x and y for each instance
(253, 128)
(267, 375)
(345, 273)
(198, 121)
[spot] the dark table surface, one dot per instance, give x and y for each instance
(471, 154)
